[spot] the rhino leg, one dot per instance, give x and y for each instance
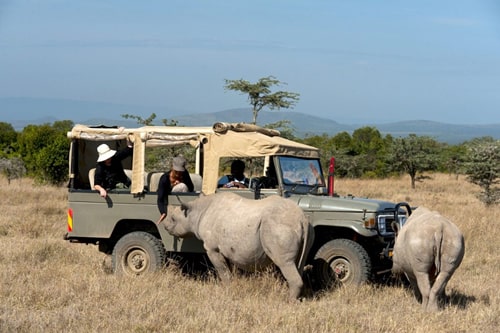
(424, 285)
(414, 287)
(220, 264)
(293, 278)
(284, 253)
(437, 291)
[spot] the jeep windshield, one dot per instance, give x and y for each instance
(300, 175)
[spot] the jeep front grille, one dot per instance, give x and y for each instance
(384, 223)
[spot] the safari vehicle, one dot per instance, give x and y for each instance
(353, 235)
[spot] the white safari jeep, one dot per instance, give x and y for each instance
(353, 240)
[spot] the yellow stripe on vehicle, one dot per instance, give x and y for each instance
(70, 220)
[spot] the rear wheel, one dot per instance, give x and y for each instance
(138, 253)
(341, 261)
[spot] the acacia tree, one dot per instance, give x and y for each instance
(413, 154)
(260, 95)
(483, 168)
(149, 120)
(285, 127)
(158, 158)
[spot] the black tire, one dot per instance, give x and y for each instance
(341, 261)
(138, 253)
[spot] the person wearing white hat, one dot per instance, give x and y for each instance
(176, 180)
(109, 169)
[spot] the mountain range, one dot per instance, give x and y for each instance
(20, 112)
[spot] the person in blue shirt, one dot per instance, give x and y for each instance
(237, 177)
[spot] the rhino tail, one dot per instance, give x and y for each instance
(438, 241)
(306, 243)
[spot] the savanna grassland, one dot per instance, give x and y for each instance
(50, 285)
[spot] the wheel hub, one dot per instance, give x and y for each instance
(137, 261)
(341, 269)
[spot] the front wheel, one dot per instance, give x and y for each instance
(341, 261)
(138, 253)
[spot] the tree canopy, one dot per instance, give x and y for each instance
(414, 154)
(44, 150)
(483, 168)
(149, 121)
(260, 94)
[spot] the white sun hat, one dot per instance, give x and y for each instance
(105, 152)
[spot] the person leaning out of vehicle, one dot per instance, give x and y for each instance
(109, 173)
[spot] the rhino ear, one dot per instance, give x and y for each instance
(185, 207)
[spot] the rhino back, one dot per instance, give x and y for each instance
(229, 212)
(242, 229)
(426, 237)
(229, 221)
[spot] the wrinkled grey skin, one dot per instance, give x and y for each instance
(250, 234)
(428, 249)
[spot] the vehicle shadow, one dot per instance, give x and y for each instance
(195, 266)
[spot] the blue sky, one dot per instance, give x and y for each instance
(351, 61)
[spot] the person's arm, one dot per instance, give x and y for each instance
(98, 177)
(186, 179)
(124, 153)
(162, 198)
(222, 181)
(238, 184)
(102, 191)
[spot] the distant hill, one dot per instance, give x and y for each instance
(450, 133)
(306, 125)
(24, 111)
(302, 123)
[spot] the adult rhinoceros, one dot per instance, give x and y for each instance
(428, 249)
(250, 234)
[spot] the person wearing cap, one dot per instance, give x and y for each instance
(109, 169)
(175, 180)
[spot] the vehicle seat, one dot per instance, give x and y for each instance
(153, 179)
(91, 178)
(197, 181)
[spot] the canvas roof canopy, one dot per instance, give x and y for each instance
(246, 144)
(220, 140)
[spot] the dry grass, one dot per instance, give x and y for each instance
(50, 285)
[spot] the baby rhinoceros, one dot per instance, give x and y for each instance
(249, 234)
(428, 249)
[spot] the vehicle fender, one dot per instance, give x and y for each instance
(355, 226)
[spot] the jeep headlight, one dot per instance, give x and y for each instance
(384, 223)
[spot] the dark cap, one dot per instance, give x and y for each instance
(179, 163)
